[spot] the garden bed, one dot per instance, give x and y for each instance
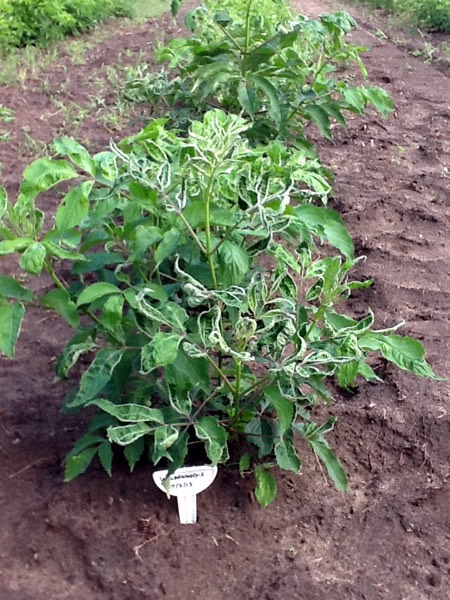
(118, 538)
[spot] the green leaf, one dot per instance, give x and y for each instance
(134, 451)
(194, 370)
(105, 455)
(244, 463)
(380, 99)
(355, 99)
(367, 372)
(284, 408)
(285, 258)
(328, 225)
(11, 317)
(405, 352)
(67, 146)
(59, 301)
(219, 217)
(55, 250)
(70, 355)
(215, 438)
(259, 433)
(170, 313)
(286, 456)
(330, 461)
(145, 237)
(244, 100)
(112, 313)
(130, 413)
(95, 291)
(74, 207)
(266, 486)
(96, 261)
(178, 452)
(167, 246)
(347, 373)
(164, 438)
(161, 351)
(40, 176)
(32, 260)
(77, 464)
(16, 245)
(96, 377)
(234, 263)
(272, 94)
(127, 434)
(10, 288)
(321, 119)
(84, 442)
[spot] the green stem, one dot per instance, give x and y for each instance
(48, 267)
(192, 233)
(247, 26)
(209, 251)
(209, 244)
(256, 390)
(221, 373)
(237, 385)
(235, 43)
(319, 314)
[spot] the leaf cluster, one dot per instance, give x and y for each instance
(282, 71)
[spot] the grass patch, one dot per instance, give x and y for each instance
(145, 9)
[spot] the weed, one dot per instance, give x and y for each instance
(6, 116)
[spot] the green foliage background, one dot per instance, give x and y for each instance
(430, 14)
(40, 22)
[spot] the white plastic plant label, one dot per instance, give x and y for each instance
(185, 484)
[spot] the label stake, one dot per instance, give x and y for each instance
(185, 484)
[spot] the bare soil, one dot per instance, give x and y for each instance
(389, 537)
